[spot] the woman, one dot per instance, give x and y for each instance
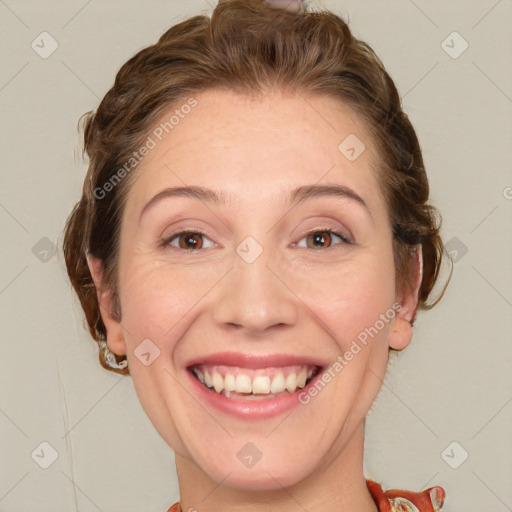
(253, 238)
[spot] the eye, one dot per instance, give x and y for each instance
(322, 239)
(194, 241)
(187, 240)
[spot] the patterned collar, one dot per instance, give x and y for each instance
(395, 500)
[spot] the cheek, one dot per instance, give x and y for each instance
(349, 296)
(157, 298)
(159, 304)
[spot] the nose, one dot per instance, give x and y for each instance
(254, 298)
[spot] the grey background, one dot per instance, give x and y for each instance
(453, 384)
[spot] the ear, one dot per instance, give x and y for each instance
(109, 307)
(400, 334)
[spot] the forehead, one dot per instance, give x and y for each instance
(239, 145)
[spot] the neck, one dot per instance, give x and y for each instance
(337, 486)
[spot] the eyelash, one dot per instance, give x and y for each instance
(167, 241)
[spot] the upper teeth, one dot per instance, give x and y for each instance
(263, 381)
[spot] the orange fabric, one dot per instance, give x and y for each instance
(395, 500)
(398, 500)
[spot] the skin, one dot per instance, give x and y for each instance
(294, 299)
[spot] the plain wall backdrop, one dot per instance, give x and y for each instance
(446, 397)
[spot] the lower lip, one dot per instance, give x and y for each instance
(248, 409)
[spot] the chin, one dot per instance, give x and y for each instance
(266, 474)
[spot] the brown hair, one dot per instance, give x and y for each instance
(248, 47)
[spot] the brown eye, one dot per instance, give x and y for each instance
(188, 241)
(319, 239)
(323, 239)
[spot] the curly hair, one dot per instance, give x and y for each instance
(248, 47)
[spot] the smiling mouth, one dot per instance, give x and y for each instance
(260, 384)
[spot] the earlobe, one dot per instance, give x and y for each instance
(109, 307)
(400, 334)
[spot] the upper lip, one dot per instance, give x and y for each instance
(255, 361)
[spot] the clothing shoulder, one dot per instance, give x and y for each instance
(399, 500)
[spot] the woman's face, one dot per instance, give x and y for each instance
(271, 259)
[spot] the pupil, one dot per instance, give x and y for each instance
(320, 239)
(191, 240)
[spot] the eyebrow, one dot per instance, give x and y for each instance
(297, 196)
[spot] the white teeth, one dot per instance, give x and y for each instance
(291, 382)
(243, 384)
(302, 377)
(218, 382)
(259, 385)
(278, 384)
(229, 382)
